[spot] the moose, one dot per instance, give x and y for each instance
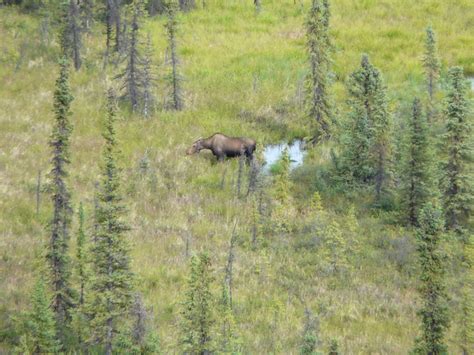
(223, 146)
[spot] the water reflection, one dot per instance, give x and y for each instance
(272, 153)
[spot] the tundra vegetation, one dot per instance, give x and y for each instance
(130, 246)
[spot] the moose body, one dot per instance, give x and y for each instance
(222, 146)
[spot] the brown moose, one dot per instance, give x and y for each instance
(222, 146)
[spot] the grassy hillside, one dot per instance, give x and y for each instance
(243, 76)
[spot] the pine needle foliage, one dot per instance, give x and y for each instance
(133, 73)
(197, 316)
(434, 309)
(228, 342)
(369, 137)
(174, 78)
(457, 178)
(79, 316)
(431, 61)
(148, 80)
(58, 246)
(310, 341)
(282, 212)
(71, 32)
(41, 337)
(334, 256)
(317, 32)
(417, 183)
(112, 282)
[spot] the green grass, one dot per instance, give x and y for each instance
(242, 73)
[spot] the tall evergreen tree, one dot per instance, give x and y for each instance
(113, 18)
(457, 179)
(86, 9)
(148, 80)
(417, 181)
(41, 333)
(58, 247)
(70, 36)
(434, 310)
(317, 31)
(175, 79)
(109, 20)
(133, 73)
(357, 142)
(370, 135)
(431, 61)
(197, 316)
(112, 282)
(117, 18)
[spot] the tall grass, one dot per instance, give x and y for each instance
(242, 75)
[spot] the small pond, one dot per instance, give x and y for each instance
(272, 153)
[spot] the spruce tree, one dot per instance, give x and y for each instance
(109, 20)
(79, 317)
(117, 18)
(197, 316)
(58, 246)
(111, 284)
(175, 79)
(467, 298)
(317, 31)
(86, 9)
(310, 341)
(228, 342)
(434, 310)
(431, 61)
(372, 125)
(42, 332)
(70, 36)
(148, 80)
(334, 249)
(357, 142)
(133, 73)
(417, 184)
(113, 18)
(457, 185)
(282, 213)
